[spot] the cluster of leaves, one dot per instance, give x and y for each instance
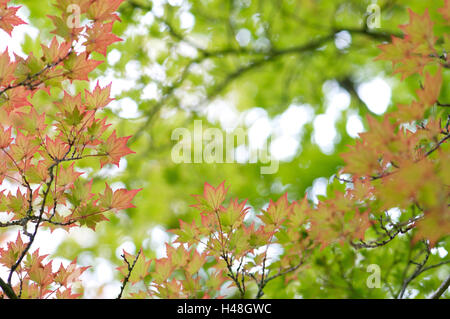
(401, 162)
(236, 246)
(39, 151)
(405, 158)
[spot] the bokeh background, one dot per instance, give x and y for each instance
(298, 75)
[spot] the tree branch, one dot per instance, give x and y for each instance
(7, 290)
(130, 269)
(441, 289)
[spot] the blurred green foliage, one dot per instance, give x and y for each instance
(265, 54)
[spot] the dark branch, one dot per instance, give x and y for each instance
(441, 289)
(130, 270)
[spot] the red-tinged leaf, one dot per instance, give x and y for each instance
(41, 274)
(55, 51)
(445, 11)
(257, 237)
(212, 198)
(419, 30)
(99, 37)
(412, 65)
(434, 226)
(196, 261)
(79, 66)
(30, 290)
(62, 29)
(277, 211)
(215, 280)
(8, 18)
(409, 185)
(409, 113)
(114, 149)
(7, 68)
(119, 199)
(15, 98)
(66, 177)
(33, 259)
(67, 294)
(18, 203)
(69, 103)
(31, 122)
(431, 88)
(80, 192)
(234, 214)
(395, 51)
(104, 10)
(141, 267)
(5, 137)
(64, 4)
(24, 147)
(70, 274)
(187, 233)
(361, 160)
(99, 98)
(89, 214)
(9, 256)
(56, 148)
(301, 212)
(95, 130)
(178, 256)
(163, 270)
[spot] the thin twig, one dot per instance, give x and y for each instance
(130, 269)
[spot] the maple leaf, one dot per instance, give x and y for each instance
(300, 213)
(24, 146)
(163, 270)
(15, 98)
(56, 148)
(277, 211)
(62, 29)
(412, 65)
(119, 199)
(187, 233)
(234, 214)
(431, 88)
(64, 4)
(66, 177)
(55, 51)
(445, 11)
(141, 267)
(212, 198)
(419, 30)
(70, 274)
(434, 226)
(99, 98)
(5, 137)
(8, 17)
(196, 261)
(6, 69)
(114, 149)
(30, 122)
(67, 294)
(69, 103)
(178, 256)
(9, 256)
(100, 37)
(79, 66)
(395, 51)
(103, 10)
